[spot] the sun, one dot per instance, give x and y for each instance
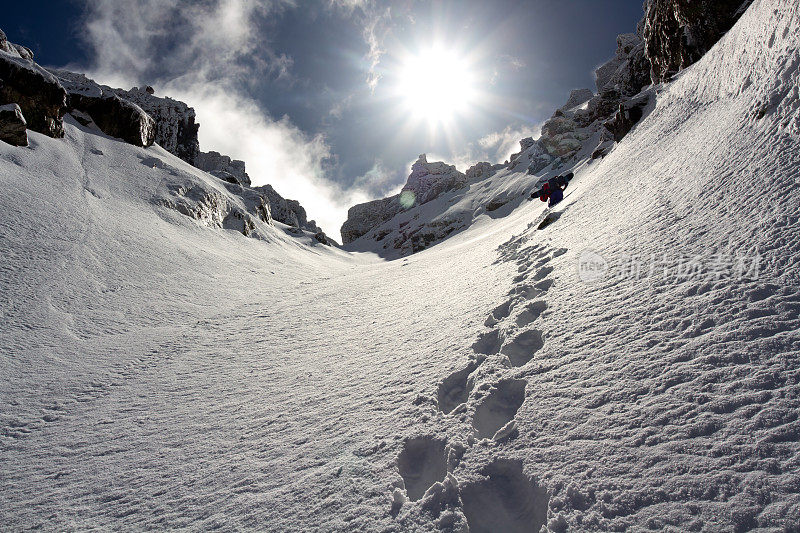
(436, 85)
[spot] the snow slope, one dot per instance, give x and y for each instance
(626, 367)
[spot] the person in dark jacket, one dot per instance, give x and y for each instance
(553, 190)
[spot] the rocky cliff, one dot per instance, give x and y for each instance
(677, 33)
(174, 126)
(35, 98)
(42, 100)
(222, 166)
(425, 183)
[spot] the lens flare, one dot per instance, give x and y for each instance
(407, 199)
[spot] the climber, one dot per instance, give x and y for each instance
(553, 190)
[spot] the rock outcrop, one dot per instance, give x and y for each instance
(38, 93)
(288, 212)
(174, 127)
(429, 180)
(364, 217)
(533, 154)
(617, 80)
(578, 97)
(628, 71)
(677, 33)
(37, 98)
(14, 49)
(117, 117)
(425, 183)
(223, 167)
(13, 128)
(481, 170)
(628, 115)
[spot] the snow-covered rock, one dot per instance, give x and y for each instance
(426, 182)
(116, 117)
(175, 127)
(38, 93)
(481, 170)
(628, 71)
(14, 49)
(577, 97)
(215, 163)
(533, 156)
(629, 114)
(429, 180)
(175, 130)
(13, 128)
(362, 218)
(289, 212)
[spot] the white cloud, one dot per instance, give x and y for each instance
(377, 24)
(197, 53)
(499, 145)
(275, 151)
(377, 182)
(212, 39)
(495, 147)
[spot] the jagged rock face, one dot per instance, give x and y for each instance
(13, 128)
(14, 49)
(480, 171)
(532, 153)
(429, 180)
(175, 128)
(289, 212)
(425, 183)
(628, 71)
(677, 33)
(577, 97)
(37, 92)
(214, 162)
(362, 218)
(117, 117)
(224, 176)
(628, 115)
(561, 137)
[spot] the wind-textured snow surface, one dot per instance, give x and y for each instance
(611, 371)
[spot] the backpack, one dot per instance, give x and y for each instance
(545, 192)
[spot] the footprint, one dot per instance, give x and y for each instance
(528, 292)
(499, 313)
(531, 312)
(422, 462)
(454, 389)
(559, 252)
(544, 285)
(499, 407)
(489, 343)
(542, 262)
(505, 499)
(523, 347)
(543, 273)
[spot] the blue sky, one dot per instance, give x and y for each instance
(313, 94)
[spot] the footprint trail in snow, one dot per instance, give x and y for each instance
(484, 395)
